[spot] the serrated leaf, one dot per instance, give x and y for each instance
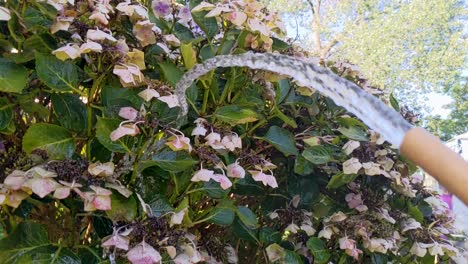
(222, 214)
(282, 140)
(56, 74)
(317, 155)
(247, 217)
(354, 132)
(55, 140)
(104, 128)
(170, 161)
(340, 179)
(236, 114)
(6, 113)
(70, 111)
(29, 243)
(122, 208)
(13, 77)
(317, 247)
(209, 25)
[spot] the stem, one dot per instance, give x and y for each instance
(206, 94)
(228, 87)
(89, 108)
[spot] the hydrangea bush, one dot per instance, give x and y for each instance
(95, 167)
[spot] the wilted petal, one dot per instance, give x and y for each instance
(384, 214)
(326, 232)
(237, 18)
(171, 251)
(143, 31)
(98, 35)
(170, 100)
(220, 8)
(90, 46)
(117, 241)
(15, 198)
(203, 6)
(61, 23)
(103, 170)
(62, 192)
(177, 143)
(346, 243)
(128, 113)
(43, 186)
(143, 253)
(176, 218)
(4, 14)
(235, 170)
(256, 25)
(100, 191)
(435, 250)
(351, 166)
(148, 94)
(121, 189)
(223, 181)
(275, 252)
(417, 250)
(293, 228)
(102, 202)
(67, 52)
(350, 146)
(203, 175)
(336, 217)
(127, 129)
(410, 224)
(15, 180)
(172, 40)
(371, 168)
(310, 231)
(161, 8)
(199, 131)
(99, 17)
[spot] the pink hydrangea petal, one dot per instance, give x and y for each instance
(102, 202)
(62, 192)
(42, 187)
(143, 253)
(128, 113)
(170, 100)
(117, 241)
(202, 175)
(235, 170)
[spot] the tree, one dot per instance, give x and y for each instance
(457, 121)
(397, 44)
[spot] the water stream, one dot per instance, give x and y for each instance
(374, 113)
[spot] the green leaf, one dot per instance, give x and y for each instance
(56, 74)
(292, 257)
(222, 214)
(394, 103)
(160, 205)
(28, 243)
(123, 209)
(189, 55)
(247, 217)
(278, 44)
(70, 111)
(354, 132)
(104, 127)
(6, 113)
(170, 161)
(268, 235)
(183, 33)
(171, 73)
(55, 140)
(282, 140)
(317, 247)
(340, 179)
(302, 166)
(214, 190)
(306, 188)
(236, 114)
(415, 212)
(13, 77)
(317, 155)
(41, 42)
(209, 25)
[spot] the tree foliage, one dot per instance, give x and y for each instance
(397, 44)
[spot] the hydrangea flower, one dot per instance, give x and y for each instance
(161, 8)
(99, 199)
(41, 181)
(64, 190)
(235, 170)
(266, 179)
(118, 239)
(124, 130)
(203, 175)
(69, 51)
(144, 32)
(143, 253)
(99, 35)
(4, 14)
(101, 169)
(351, 166)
